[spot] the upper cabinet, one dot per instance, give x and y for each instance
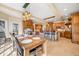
(38, 27)
(28, 24)
(49, 26)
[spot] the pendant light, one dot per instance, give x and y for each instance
(26, 15)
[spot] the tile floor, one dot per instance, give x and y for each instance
(63, 47)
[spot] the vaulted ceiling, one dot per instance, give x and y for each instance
(43, 10)
(67, 8)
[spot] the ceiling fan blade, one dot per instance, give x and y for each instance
(26, 5)
(49, 17)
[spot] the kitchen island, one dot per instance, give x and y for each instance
(36, 48)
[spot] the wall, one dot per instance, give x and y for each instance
(9, 20)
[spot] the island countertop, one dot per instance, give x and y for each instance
(34, 44)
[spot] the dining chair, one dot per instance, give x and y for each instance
(16, 45)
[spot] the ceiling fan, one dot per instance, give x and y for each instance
(49, 17)
(26, 5)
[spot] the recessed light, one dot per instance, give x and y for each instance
(65, 9)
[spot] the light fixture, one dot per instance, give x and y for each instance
(26, 15)
(65, 9)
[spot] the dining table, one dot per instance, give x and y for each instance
(34, 44)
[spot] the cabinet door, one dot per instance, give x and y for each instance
(75, 27)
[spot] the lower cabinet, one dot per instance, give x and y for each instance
(66, 34)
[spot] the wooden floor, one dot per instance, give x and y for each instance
(63, 47)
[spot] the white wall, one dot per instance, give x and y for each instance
(17, 21)
(10, 11)
(9, 20)
(11, 16)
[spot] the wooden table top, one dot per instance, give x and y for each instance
(34, 43)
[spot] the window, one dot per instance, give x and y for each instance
(15, 28)
(2, 26)
(2, 32)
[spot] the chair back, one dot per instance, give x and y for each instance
(16, 44)
(2, 38)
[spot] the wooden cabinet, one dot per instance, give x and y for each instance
(49, 26)
(66, 34)
(75, 27)
(53, 26)
(38, 27)
(58, 25)
(61, 34)
(28, 24)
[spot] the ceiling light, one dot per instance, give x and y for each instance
(26, 15)
(65, 9)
